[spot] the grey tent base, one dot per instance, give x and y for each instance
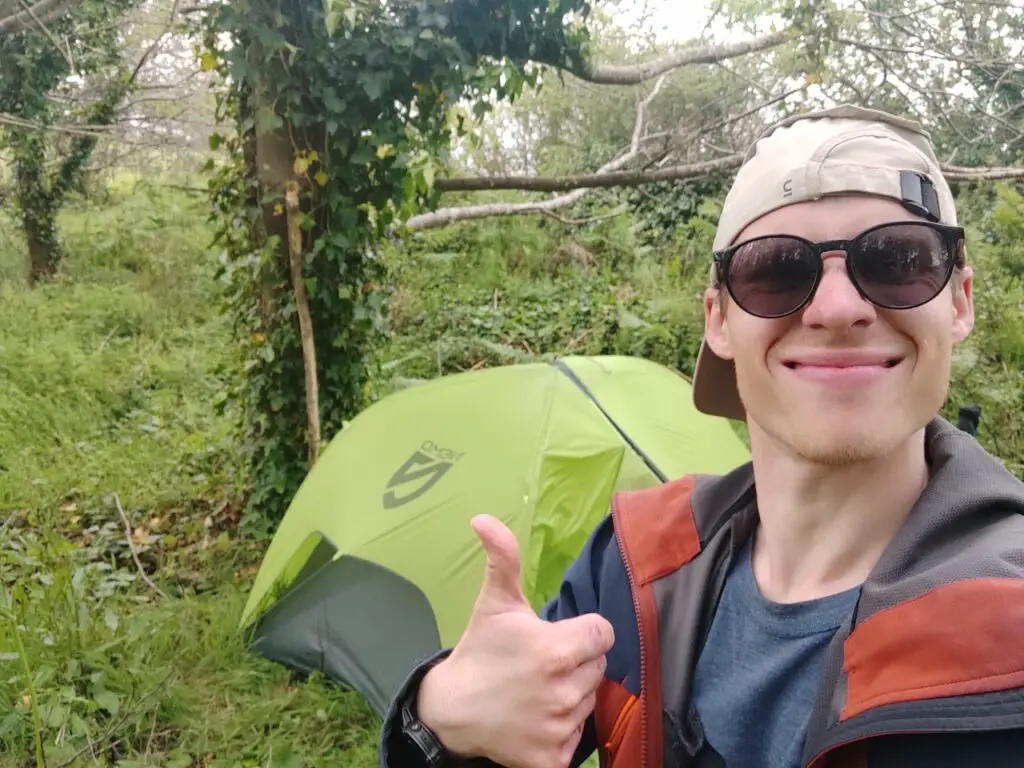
(354, 621)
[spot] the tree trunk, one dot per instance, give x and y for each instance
(44, 251)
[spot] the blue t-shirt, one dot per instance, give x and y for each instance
(757, 677)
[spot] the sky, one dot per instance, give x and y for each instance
(671, 20)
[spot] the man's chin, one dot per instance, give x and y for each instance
(835, 437)
(839, 452)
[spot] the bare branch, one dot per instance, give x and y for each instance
(131, 547)
(445, 216)
(961, 173)
(41, 13)
(632, 74)
(448, 215)
(589, 180)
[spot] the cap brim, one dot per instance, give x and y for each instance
(714, 386)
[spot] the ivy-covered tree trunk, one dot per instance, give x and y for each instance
(352, 102)
(44, 251)
(38, 212)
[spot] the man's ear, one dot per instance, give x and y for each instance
(716, 329)
(963, 304)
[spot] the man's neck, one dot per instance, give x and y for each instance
(823, 528)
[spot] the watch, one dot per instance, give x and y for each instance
(424, 744)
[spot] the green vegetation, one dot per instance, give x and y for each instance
(112, 382)
(111, 379)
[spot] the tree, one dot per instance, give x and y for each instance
(62, 77)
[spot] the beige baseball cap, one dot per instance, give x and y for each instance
(842, 150)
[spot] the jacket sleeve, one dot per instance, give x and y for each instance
(580, 593)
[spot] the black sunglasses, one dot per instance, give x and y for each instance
(898, 265)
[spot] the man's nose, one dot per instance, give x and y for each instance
(837, 304)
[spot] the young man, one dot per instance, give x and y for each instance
(852, 597)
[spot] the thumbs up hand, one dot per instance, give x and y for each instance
(516, 689)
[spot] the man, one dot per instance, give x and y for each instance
(852, 597)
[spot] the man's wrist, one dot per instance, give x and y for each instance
(432, 707)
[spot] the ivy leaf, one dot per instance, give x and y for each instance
(321, 177)
(362, 155)
(208, 61)
(267, 120)
(373, 83)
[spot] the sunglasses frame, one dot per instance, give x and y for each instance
(953, 238)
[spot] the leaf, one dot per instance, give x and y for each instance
(321, 177)
(208, 61)
(383, 151)
(110, 619)
(54, 714)
(9, 723)
(267, 120)
(373, 83)
(108, 701)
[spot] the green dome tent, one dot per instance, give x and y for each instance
(375, 565)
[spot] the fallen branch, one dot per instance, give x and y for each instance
(135, 553)
(293, 215)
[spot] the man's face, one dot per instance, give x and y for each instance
(825, 410)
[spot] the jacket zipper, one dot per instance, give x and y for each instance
(640, 631)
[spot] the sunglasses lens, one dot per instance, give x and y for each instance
(772, 276)
(903, 265)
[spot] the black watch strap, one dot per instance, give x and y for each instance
(423, 740)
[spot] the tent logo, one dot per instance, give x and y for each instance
(420, 472)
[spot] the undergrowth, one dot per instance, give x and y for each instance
(110, 387)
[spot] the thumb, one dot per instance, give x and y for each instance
(501, 575)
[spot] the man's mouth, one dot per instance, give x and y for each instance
(889, 362)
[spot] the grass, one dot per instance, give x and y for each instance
(110, 381)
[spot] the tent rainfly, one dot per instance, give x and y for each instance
(375, 565)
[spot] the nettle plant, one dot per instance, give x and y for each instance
(338, 114)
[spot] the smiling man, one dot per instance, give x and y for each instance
(852, 597)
